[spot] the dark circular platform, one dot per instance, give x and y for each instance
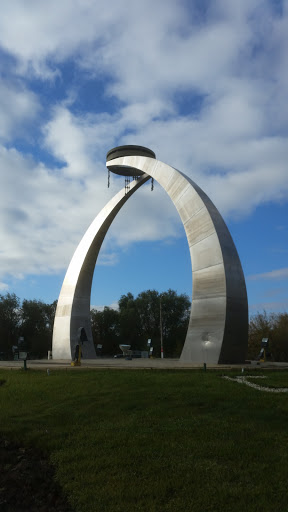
(124, 170)
(129, 151)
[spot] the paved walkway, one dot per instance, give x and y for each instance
(121, 363)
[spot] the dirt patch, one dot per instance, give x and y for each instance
(27, 482)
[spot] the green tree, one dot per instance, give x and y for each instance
(140, 320)
(279, 337)
(9, 321)
(130, 328)
(148, 310)
(175, 318)
(106, 329)
(259, 327)
(37, 319)
(273, 326)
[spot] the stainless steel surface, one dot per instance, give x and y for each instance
(73, 309)
(218, 327)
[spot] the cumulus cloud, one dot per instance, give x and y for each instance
(42, 215)
(45, 213)
(202, 84)
(18, 106)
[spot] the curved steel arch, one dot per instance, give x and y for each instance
(218, 326)
(73, 307)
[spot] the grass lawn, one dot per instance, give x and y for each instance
(154, 440)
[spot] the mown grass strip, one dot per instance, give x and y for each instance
(153, 440)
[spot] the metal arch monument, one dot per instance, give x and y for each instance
(218, 326)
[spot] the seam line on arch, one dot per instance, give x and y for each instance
(214, 265)
(184, 192)
(201, 240)
(194, 214)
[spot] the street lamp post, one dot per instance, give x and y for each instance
(161, 329)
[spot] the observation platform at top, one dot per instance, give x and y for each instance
(122, 151)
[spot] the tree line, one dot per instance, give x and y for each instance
(273, 326)
(32, 320)
(136, 320)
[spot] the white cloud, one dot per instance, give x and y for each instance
(148, 56)
(68, 140)
(44, 214)
(18, 107)
(107, 259)
(36, 32)
(4, 287)
(114, 305)
(281, 273)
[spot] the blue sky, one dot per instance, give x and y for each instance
(202, 83)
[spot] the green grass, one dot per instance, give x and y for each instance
(272, 379)
(154, 440)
